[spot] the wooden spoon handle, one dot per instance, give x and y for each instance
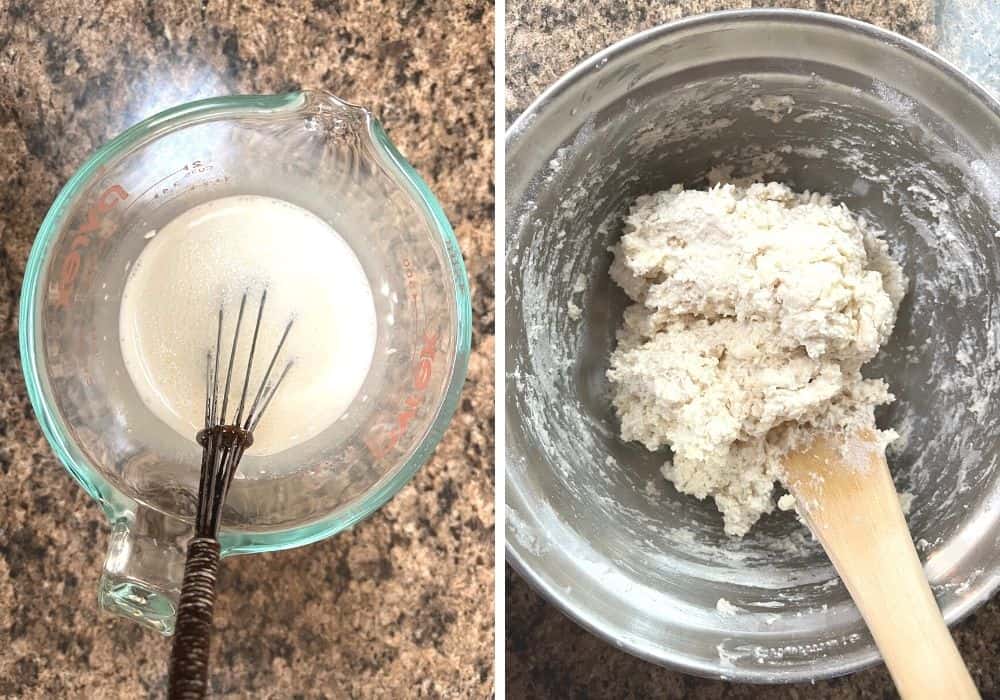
(846, 495)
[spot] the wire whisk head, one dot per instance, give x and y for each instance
(226, 437)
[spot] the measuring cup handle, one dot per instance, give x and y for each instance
(143, 571)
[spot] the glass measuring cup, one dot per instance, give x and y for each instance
(307, 148)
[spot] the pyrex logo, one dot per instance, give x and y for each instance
(385, 436)
(70, 268)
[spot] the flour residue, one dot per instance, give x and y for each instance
(773, 107)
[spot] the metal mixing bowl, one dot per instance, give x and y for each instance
(822, 103)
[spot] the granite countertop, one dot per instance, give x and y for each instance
(400, 606)
(548, 656)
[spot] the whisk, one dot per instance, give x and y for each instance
(224, 439)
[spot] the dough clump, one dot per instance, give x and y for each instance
(755, 308)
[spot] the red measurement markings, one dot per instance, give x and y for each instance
(83, 237)
(385, 436)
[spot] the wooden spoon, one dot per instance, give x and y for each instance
(843, 490)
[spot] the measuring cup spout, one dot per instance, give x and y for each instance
(145, 565)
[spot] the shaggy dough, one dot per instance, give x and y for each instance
(755, 309)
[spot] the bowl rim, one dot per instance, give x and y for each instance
(519, 129)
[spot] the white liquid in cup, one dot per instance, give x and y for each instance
(210, 256)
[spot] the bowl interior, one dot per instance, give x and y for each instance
(590, 518)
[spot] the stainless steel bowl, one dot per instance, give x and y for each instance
(823, 103)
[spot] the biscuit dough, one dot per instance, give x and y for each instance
(755, 308)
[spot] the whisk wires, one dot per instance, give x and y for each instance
(225, 440)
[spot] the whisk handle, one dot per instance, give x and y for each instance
(188, 676)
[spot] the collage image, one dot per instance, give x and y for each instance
(532, 349)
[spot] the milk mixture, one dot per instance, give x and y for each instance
(755, 309)
(209, 257)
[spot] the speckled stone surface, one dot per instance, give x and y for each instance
(548, 656)
(402, 606)
(545, 39)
